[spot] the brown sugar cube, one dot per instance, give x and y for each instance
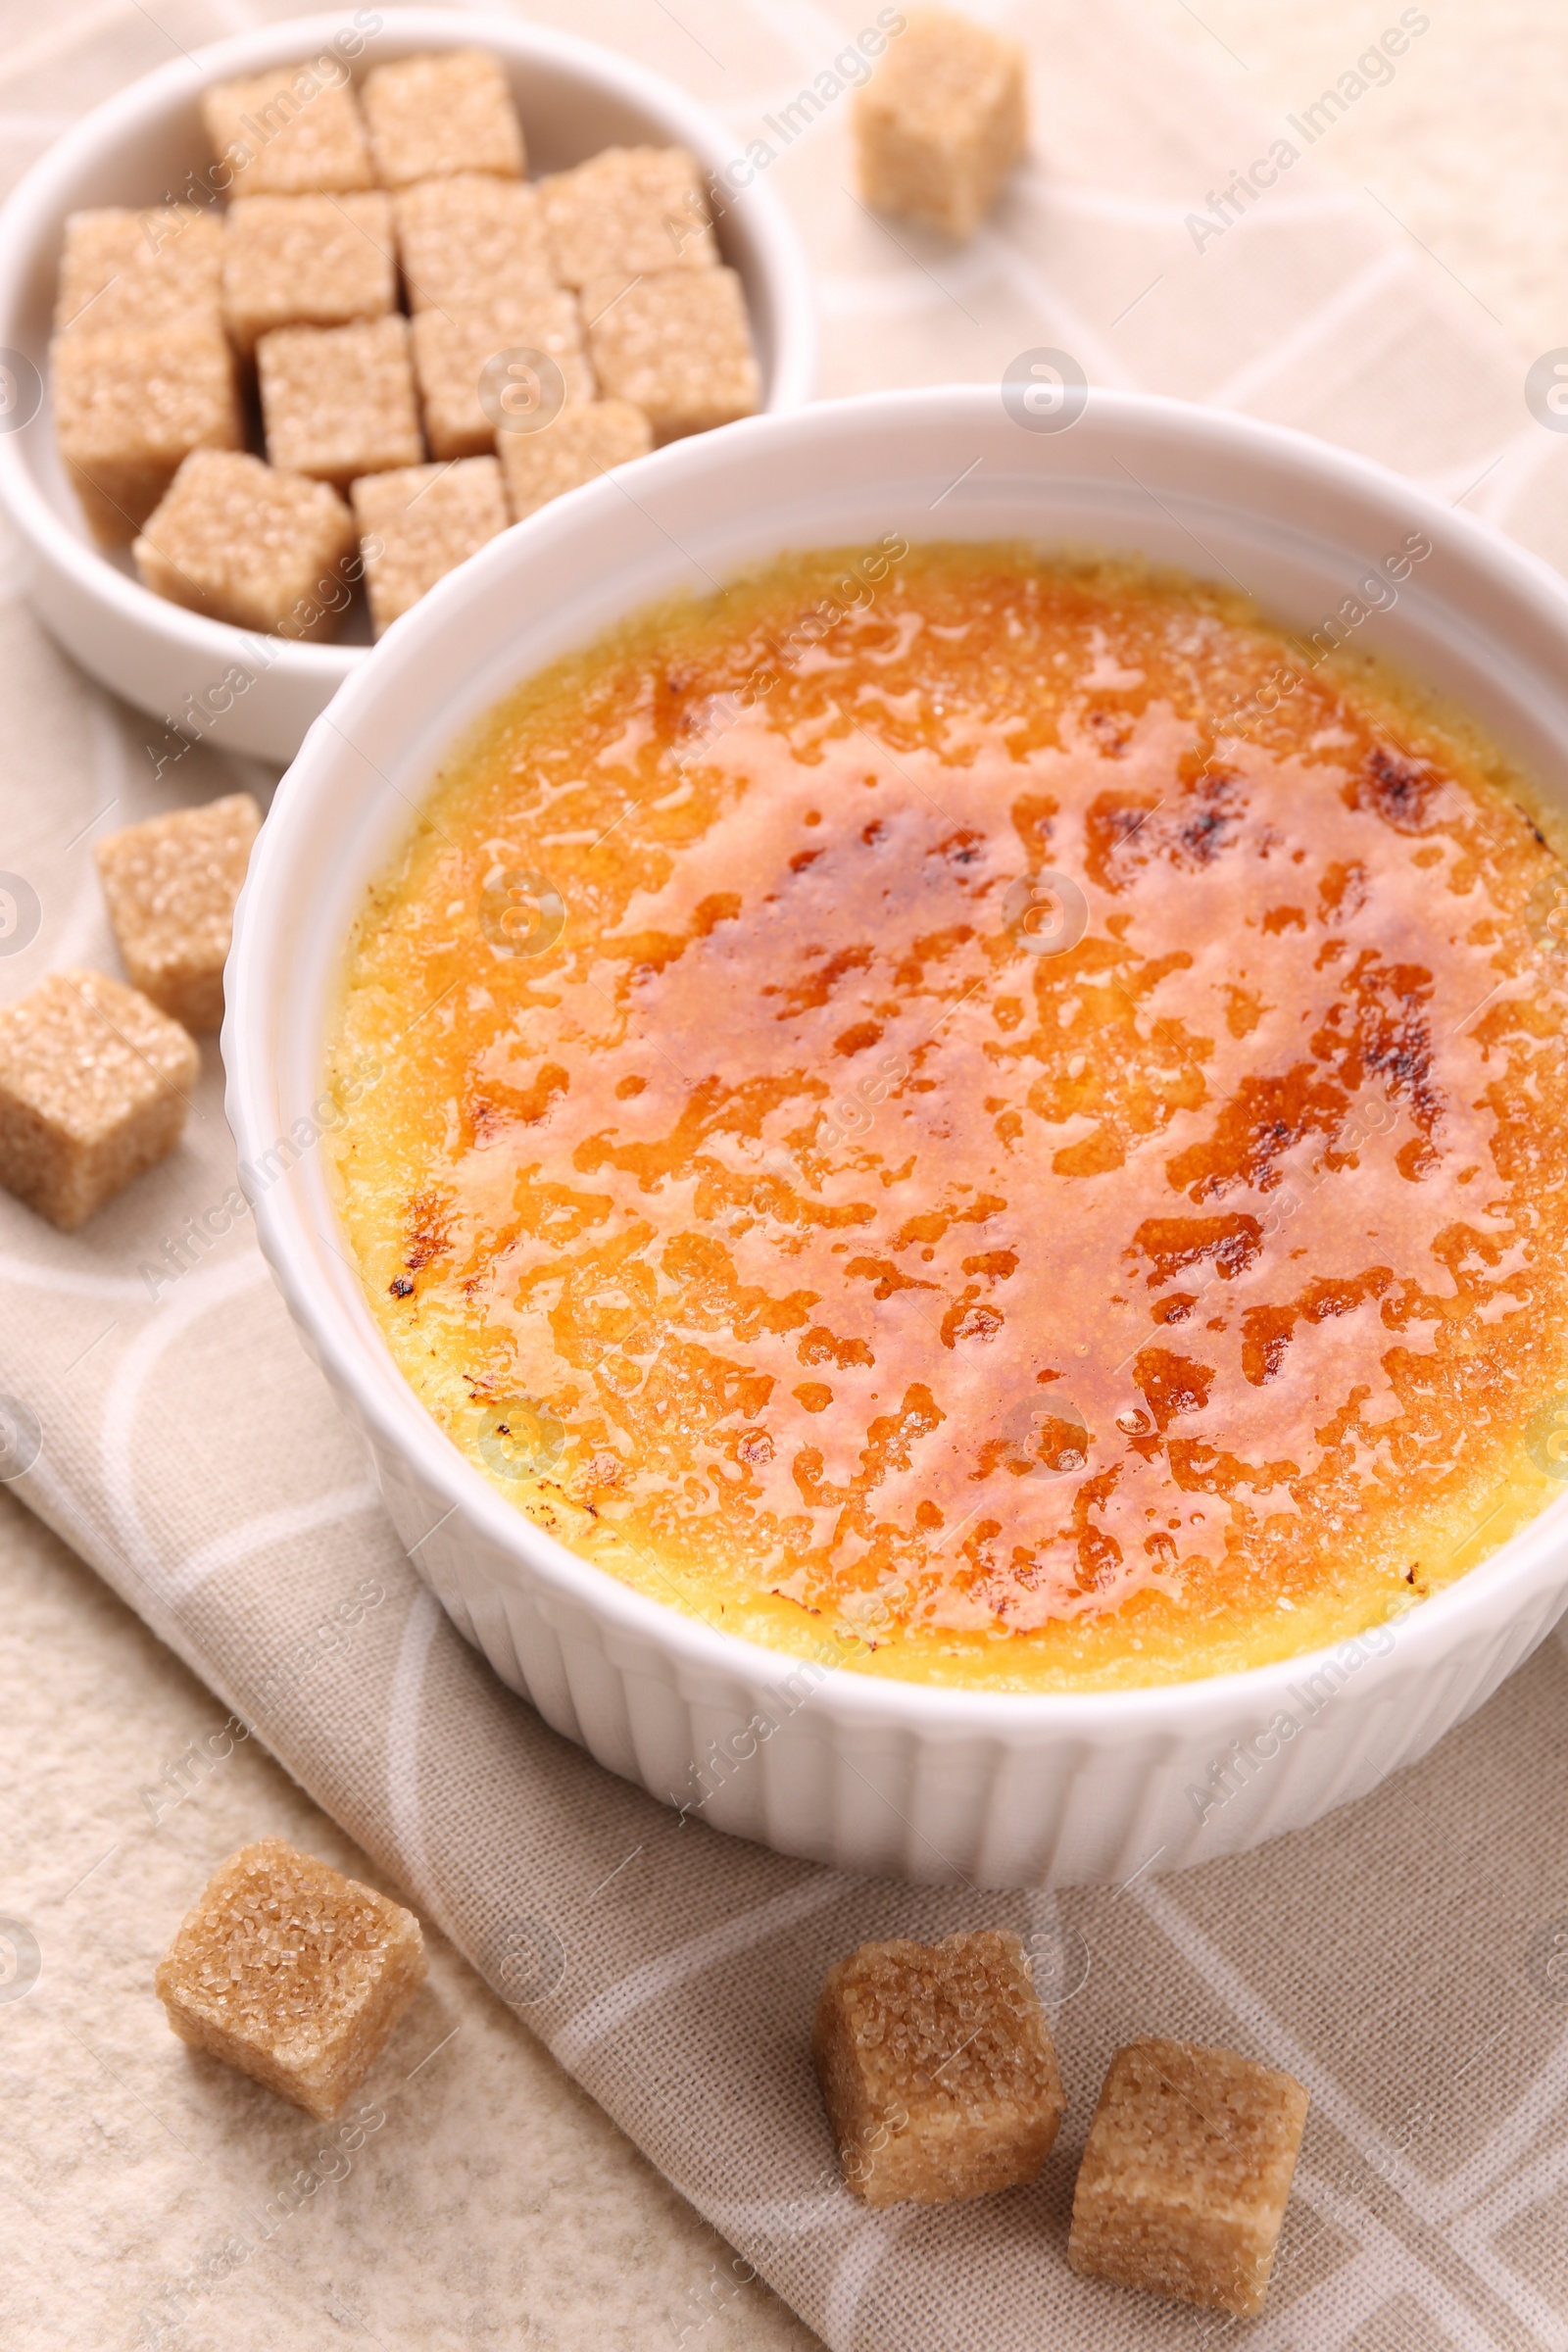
(291, 131)
(170, 885)
(93, 1089)
(580, 444)
(1184, 2179)
(465, 397)
(472, 243)
(291, 1974)
(432, 116)
(628, 212)
(238, 540)
(678, 347)
(421, 522)
(937, 2069)
(338, 402)
(942, 123)
(307, 261)
(141, 271)
(129, 408)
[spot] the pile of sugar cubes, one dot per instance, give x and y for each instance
(554, 328)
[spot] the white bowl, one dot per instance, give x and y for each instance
(574, 98)
(878, 1776)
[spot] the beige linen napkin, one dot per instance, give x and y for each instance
(1403, 1957)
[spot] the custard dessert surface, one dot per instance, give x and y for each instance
(984, 1119)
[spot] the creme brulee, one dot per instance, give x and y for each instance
(996, 1120)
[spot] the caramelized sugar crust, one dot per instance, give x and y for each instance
(970, 1136)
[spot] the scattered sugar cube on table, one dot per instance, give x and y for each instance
(478, 370)
(431, 115)
(240, 541)
(628, 212)
(1184, 2181)
(94, 1087)
(942, 122)
(338, 402)
(937, 2067)
(472, 243)
(139, 271)
(129, 408)
(170, 884)
(292, 1973)
(290, 131)
(307, 261)
(419, 523)
(677, 346)
(580, 444)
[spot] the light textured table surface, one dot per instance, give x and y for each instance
(495, 2204)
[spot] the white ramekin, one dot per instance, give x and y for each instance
(870, 1775)
(574, 98)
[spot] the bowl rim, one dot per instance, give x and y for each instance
(360, 1366)
(27, 213)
